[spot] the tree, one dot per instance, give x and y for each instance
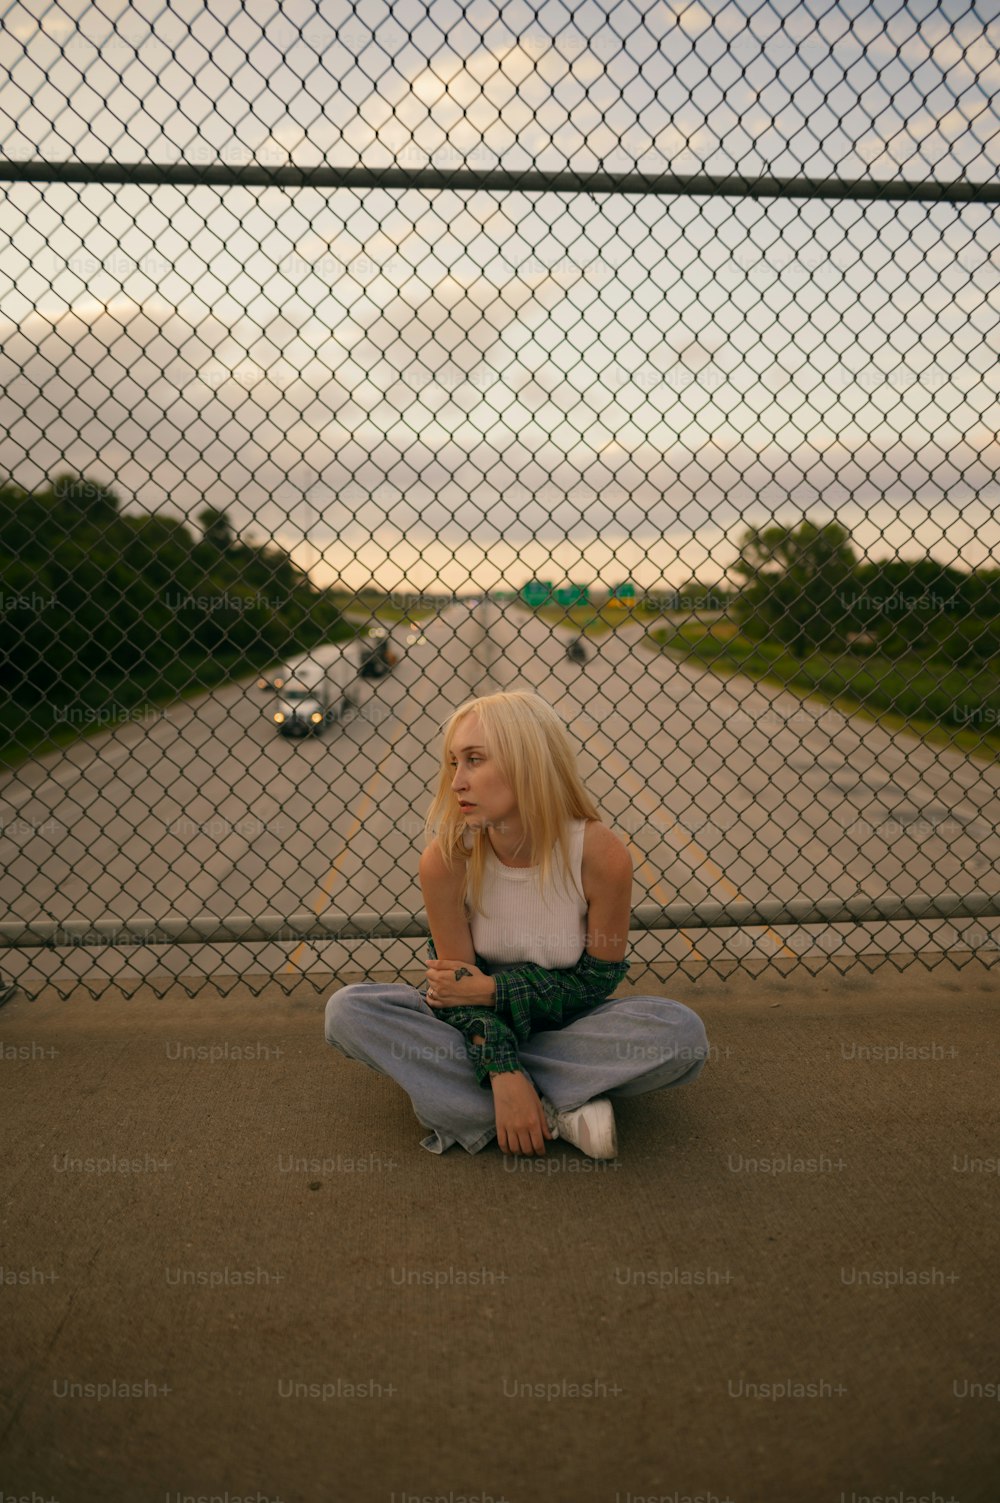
(798, 579)
(85, 500)
(218, 532)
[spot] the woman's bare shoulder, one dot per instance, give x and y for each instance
(432, 857)
(604, 851)
(433, 864)
(431, 851)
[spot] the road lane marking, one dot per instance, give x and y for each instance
(672, 830)
(325, 887)
(656, 887)
(654, 815)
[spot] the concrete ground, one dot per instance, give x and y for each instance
(229, 1270)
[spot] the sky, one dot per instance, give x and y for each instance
(442, 389)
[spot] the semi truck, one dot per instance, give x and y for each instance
(318, 688)
(378, 655)
(374, 654)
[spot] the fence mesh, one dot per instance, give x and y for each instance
(645, 358)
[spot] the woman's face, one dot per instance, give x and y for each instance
(484, 796)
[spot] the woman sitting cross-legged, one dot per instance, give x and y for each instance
(528, 897)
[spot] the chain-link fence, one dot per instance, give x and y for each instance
(645, 359)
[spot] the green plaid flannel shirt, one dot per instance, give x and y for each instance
(528, 998)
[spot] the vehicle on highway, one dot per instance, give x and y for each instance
(373, 655)
(276, 678)
(316, 694)
(378, 655)
(576, 652)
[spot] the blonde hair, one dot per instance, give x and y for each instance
(535, 757)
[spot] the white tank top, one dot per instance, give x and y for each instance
(521, 923)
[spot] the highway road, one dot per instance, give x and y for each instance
(724, 788)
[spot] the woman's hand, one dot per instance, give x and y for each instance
(458, 983)
(520, 1116)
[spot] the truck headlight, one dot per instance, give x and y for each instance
(279, 719)
(315, 717)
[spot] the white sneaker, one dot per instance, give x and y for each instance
(590, 1127)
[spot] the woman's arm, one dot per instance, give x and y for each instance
(451, 941)
(607, 886)
(442, 890)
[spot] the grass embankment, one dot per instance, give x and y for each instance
(387, 614)
(590, 620)
(33, 725)
(946, 705)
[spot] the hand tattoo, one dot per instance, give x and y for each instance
(461, 973)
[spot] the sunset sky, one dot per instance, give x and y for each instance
(471, 388)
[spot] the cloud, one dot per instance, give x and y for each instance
(119, 395)
(426, 402)
(442, 395)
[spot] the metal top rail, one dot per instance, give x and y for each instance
(262, 175)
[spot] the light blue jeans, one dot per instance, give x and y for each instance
(621, 1048)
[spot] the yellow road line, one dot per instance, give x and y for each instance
(326, 886)
(681, 838)
(656, 887)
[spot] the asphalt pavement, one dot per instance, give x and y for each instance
(230, 1271)
(725, 788)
